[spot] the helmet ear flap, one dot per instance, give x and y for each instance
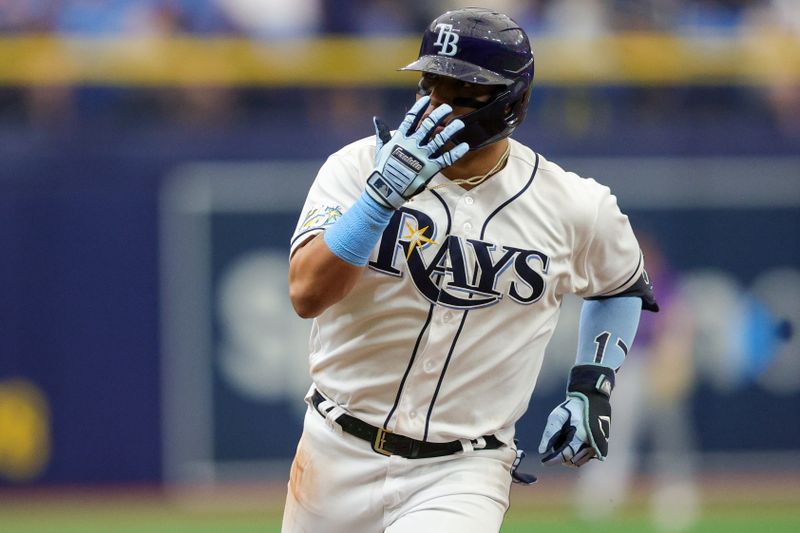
(520, 94)
(497, 119)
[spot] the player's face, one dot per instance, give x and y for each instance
(462, 96)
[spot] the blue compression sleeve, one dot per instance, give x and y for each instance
(607, 329)
(353, 236)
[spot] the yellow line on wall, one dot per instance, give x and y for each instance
(623, 59)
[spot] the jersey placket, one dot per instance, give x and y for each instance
(417, 406)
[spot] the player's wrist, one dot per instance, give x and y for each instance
(379, 194)
(589, 378)
(378, 207)
(353, 236)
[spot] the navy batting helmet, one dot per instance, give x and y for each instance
(483, 47)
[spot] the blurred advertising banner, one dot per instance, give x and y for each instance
(235, 355)
(723, 240)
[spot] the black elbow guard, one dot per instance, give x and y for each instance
(643, 289)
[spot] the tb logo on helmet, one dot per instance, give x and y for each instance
(446, 40)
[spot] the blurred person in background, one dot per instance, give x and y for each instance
(201, 18)
(275, 19)
(40, 105)
(202, 107)
(577, 18)
(770, 26)
(27, 16)
(365, 17)
(669, 15)
(652, 402)
(54, 106)
(108, 17)
(706, 16)
(643, 15)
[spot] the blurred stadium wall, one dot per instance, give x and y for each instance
(151, 176)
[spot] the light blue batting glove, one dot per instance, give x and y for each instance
(405, 162)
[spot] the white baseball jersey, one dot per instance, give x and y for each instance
(443, 336)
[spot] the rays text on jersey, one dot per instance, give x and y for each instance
(461, 273)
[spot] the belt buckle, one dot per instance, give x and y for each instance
(380, 442)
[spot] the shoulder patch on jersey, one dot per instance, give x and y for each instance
(321, 216)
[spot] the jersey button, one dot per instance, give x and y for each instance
(428, 366)
(467, 227)
(412, 414)
(447, 316)
(469, 200)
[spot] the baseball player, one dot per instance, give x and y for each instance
(434, 259)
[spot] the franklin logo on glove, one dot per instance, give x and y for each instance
(407, 159)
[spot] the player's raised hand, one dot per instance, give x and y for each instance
(578, 429)
(405, 162)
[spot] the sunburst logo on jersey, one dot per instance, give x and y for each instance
(416, 239)
(322, 216)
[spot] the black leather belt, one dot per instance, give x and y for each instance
(385, 442)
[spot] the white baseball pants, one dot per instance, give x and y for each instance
(339, 485)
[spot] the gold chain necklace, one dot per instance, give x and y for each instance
(477, 180)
